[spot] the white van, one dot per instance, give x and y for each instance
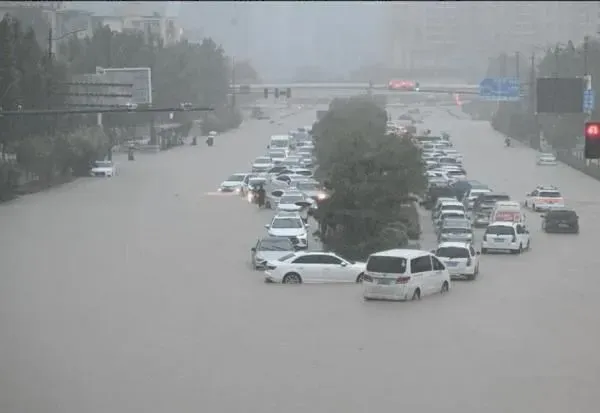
(507, 211)
(403, 274)
(280, 142)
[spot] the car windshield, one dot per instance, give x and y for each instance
(262, 160)
(389, 265)
(549, 194)
(452, 207)
(276, 244)
(280, 143)
(495, 198)
(448, 214)
(287, 223)
(277, 154)
(500, 230)
(103, 164)
(291, 199)
(452, 252)
(456, 230)
(236, 178)
(257, 181)
(561, 215)
(287, 257)
(307, 186)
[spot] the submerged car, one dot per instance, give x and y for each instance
(103, 168)
(234, 183)
(546, 159)
(270, 249)
(560, 220)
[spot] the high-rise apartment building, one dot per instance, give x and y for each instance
(465, 34)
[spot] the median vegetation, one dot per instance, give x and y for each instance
(371, 176)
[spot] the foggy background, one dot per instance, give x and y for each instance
(286, 41)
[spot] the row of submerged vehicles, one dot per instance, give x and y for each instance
(459, 205)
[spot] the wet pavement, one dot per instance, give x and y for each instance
(134, 294)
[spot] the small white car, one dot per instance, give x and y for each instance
(460, 258)
(262, 164)
(506, 236)
(313, 267)
(547, 159)
(404, 274)
(103, 169)
(543, 198)
(292, 227)
(293, 201)
(234, 183)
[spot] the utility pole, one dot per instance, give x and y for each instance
(49, 68)
(517, 63)
(233, 88)
(503, 65)
(556, 60)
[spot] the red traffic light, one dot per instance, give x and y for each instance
(592, 140)
(592, 130)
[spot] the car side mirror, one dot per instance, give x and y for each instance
(306, 225)
(267, 226)
(253, 249)
(344, 264)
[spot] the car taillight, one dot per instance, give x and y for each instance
(367, 278)
(514, 238)
(402, 280)
(271, 267)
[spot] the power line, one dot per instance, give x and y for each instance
(100, 110)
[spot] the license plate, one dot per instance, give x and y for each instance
(451, 264)
(384, 281)
(499, 239)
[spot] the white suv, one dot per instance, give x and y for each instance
(404, 275)
(292, 227)
(460, 258)
(507, 236)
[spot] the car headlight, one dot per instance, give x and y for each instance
(303, 236)
(237, 190)
(250, 197)
(321, 196)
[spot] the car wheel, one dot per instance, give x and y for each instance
(416, 295)
(445, 287)
(518, 251)
(292, 278)
(359, 279)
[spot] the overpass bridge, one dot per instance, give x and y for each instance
(348, 86)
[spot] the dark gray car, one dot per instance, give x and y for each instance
(270, 249)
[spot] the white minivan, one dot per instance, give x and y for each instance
(404, 274)
(506, 236)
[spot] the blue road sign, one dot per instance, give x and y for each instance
(500, 89)
(589, 101)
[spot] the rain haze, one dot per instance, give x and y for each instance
(217, 207)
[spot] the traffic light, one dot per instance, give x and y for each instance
(276, 93)
(417, 86)
(592, 140)
(266, 93)
(288, 92)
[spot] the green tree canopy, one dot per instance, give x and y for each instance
(371, 177)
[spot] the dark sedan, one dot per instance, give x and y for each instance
(560, 220)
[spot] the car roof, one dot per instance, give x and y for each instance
(454, 244)
(292, 192)
(273, 238)
(560, 210)
(502, 224)
(453, 202)
(287, 214)
(546, 187)
(401, 253)
(493, 194)
(456, 223)
(508, 203)
(280, 136)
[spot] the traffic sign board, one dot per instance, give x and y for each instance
(500, 89)
(589, 101)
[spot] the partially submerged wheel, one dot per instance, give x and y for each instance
(292, 278)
